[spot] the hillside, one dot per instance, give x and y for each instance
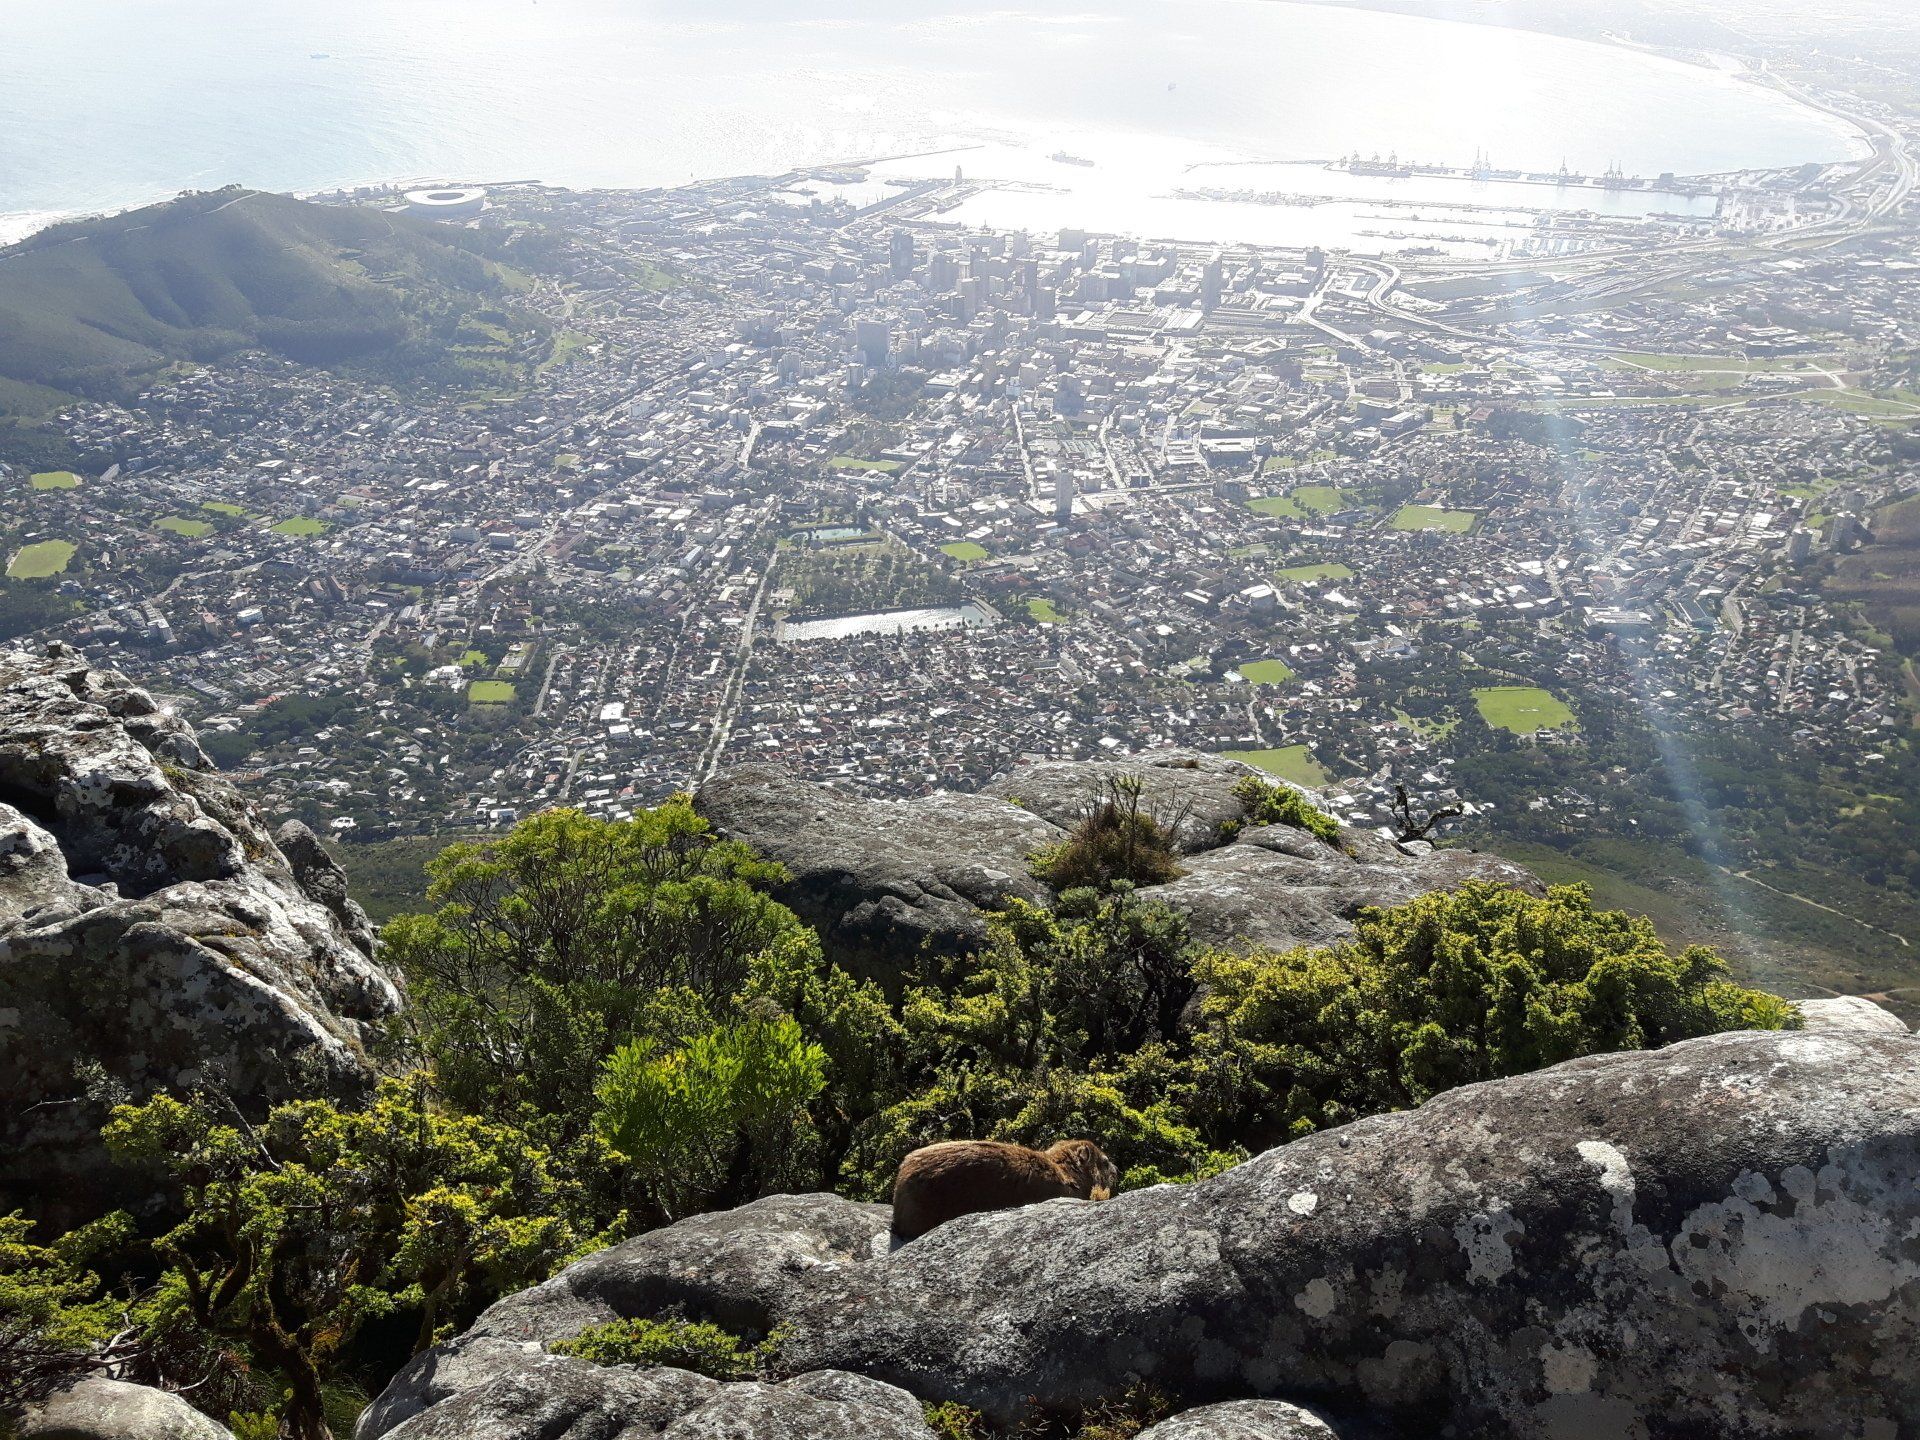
(97, 307)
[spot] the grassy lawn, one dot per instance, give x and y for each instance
(55, 480)
(225, 507)
(37, 562)
(1523, 709)
(301, 525)
(1326, 570)
(1278, 507)
(1290, 762)
(1043, 611)
(1320, 499)
(1265, 672)
(489, 692)
(965, 551)
(473, 659)
(854, 462)
(192, 529)
(1431, 517)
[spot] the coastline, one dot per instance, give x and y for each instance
(1488, 15)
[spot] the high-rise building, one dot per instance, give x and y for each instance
(1063, 495)
(900, 253)
(873, 340)
(1212, 282)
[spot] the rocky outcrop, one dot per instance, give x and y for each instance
(531, 1395)
(881, 879)
(101, 1409)
(152, 933)
(1849, 1012)
(1243, 1420)
(1707, 1240)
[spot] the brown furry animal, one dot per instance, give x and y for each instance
(960, 1177)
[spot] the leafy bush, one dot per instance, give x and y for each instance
(1446, 990)
(1270, 804)
(1117, 840)
(570, 936)
(683, 1344)
(298, 1233)
(55, 1324)
(720, 1120)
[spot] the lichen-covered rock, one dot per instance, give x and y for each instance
(883, 878)
(1712, 1239)
(1849, 1012)
(528, 1394)
(152, 934)
(738, 1269)
(1277, 886)
(101, 1409)
(1243, 1420)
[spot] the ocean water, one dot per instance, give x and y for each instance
(107, 103)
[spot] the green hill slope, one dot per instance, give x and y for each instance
(95, 307)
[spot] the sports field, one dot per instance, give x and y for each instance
(300, 525)
(1523, 709)
(1278, 507)
(1266, 672)
(38, 561)
(489, 692)
(1289, 762)
(55, 480)
(965, 551)
(1302, 574)
(1431, 517)
(192, 529)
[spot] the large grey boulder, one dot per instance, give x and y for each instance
(1712, 1239)
(738, 1269)
(882, 879)
(1849, 1012)
(552, 1397)
(102, 1409)
(152, 933)
(1277, 886)
(1243, 1420)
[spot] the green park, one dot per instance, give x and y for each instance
(39, 560)
(1289, 762)
(1523, 709)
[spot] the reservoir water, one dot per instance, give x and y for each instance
(969, 616)
(106, 103)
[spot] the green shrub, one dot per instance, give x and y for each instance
(682, 1344)
(718, 1121)
(571, 936)
(1446, 990)
(1116, 841)
(297, 1233)
(54, 1322)
(1269, 804)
